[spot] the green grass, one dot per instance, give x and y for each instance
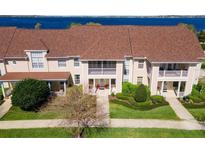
(198, 111)
(144, 110)
(15, 113)
(102, 133)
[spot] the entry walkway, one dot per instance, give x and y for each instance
(103, 106)
(179, 109)
(4, 108)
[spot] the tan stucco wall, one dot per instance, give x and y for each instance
(20, 66)
(139, 72)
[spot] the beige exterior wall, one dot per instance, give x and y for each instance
(20, 66)
(154, 79)
(82, 70)
(139, 72)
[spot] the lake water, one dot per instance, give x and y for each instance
(64, 22)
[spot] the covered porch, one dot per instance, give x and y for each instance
(57, 81)
(171, 88)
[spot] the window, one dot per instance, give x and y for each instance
(37, 59)
(139, 80)
(14, 62)
(76, 62)
(77, 79)
(141, 64)
(61, 63)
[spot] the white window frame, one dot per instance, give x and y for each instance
(140, 64)
(61, 63)
(139, 79)
(76, 62)
(37, 59)
(77, 81)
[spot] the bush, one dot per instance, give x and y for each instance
(122, 96)
(128, 88)
(29, 94)
(1, 95)
(141, 93)
(157, 99)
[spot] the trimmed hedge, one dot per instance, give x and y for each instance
(141, 94)
(29, 94)
(122, 96)
(157, 99)
(128, 88)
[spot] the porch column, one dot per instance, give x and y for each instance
(110, 90)
(94, 86)
(49, 85)
(178, 90)
(64, 85)
(10, 85)
(2, 88)
(162, 87)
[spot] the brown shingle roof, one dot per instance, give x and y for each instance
(48, 76)
(157, 43)
(165, 43)
(6, 34)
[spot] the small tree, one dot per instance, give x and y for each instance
(29, 94)
(93, 24)
(82, 111)
(140, 93)
(191, 27)
(38, 25)
(73, 24)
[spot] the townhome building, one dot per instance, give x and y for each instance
(165, 58)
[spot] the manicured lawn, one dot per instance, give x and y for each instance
(103, 133)
(54, 109)
(144, 110)
(198, 111)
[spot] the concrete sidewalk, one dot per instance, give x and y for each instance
(114, 123)
(151, 123)
(4, 108)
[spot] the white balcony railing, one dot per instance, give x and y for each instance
(171, 73)
(101, 71)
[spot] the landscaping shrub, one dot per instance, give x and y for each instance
(122, 96)
(141, 93)
(1, 95)
(29, 94)
(128, 88)
(157, 99)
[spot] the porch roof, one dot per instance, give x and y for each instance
(47, 76)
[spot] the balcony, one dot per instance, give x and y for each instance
(175, 73)
(101, 71)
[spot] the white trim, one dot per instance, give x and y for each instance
(36, 50)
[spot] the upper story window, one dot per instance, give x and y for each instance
(76, 61)
(61, 63)
(37, 59)
(141, 64)
(77, 79)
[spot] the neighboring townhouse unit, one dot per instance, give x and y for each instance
(166, 58)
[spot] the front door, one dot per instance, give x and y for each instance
(102, 84)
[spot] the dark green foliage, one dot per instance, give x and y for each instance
(1, 95)
(128, 88)
(157, 99)
(198, 93)
(141, 94)
(29, 94)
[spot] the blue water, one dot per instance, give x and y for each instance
(64, 22)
